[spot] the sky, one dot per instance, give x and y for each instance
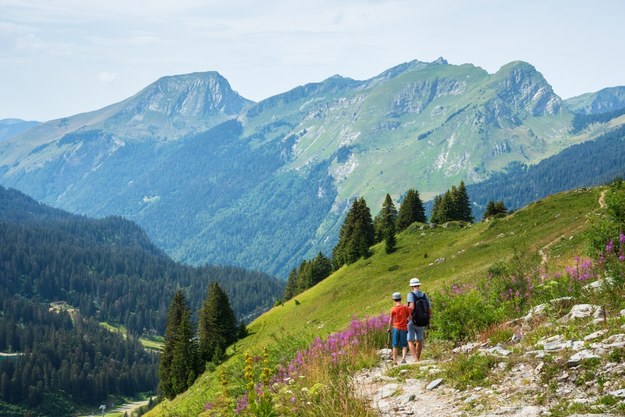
(63, 57)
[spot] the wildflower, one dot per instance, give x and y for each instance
(621, 258)
(242, 404)
(609, 247)
(621, 238)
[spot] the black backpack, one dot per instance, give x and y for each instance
(420, 314)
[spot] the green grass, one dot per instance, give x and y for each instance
(148, 341)
(364, 288)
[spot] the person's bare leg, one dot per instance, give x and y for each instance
(404, 351)
(395, 355)
(413, 350)
(419, 348)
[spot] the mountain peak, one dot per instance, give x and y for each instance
(520, 84)
(190, 95)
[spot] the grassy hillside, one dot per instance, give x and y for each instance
(547, 232)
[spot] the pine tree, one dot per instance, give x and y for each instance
(217, 324)
(386, 219)
(435, 216)
(356, 236)
(179, 357)
(290, 290)
(410, 211)
(185, 365)
(390, 242)
(494, 208)
(463, 204)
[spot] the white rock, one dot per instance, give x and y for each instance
(498, 350)
(596, 335)
(465, 348)
(388, 390)
(580, 356)
(537, 311)
(620, 393)
(471, 398)
(582, 311)
(557, 346)
(434, 384)
(556, 338)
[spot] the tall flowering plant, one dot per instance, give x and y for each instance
(613, 260)
(315, 381)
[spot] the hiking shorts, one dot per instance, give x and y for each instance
(415, 332)
(399, 338)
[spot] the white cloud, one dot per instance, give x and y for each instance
(106, 77)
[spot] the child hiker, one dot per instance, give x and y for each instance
(398, 322)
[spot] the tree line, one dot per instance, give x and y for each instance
(360, 231)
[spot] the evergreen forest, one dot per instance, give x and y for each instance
(62, 275)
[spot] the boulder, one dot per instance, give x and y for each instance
(434, 384)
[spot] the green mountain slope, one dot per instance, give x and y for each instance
(548, 232)
(215, 178)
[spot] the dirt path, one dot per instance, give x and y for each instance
(602, 199)
(543, 251)
(130, 407)
(402, 395)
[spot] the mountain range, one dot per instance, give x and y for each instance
(215, 178)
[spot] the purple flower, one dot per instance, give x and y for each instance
(609, 247)
(621, 238)
(621, 258)
(241, 404)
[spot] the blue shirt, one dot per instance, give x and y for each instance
(411, 297)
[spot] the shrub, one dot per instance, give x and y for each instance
(469, 370)
(460, 316)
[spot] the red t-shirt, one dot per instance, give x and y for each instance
(399, 315)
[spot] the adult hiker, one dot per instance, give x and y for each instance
(421, 311)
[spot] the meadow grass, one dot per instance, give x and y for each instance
(547, 235)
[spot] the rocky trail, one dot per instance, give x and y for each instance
(404, 397)
(518, 376)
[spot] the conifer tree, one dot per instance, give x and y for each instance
(309, 273)
(356, 236)
(385, 219)
(290, 290)
(494, 208)
(179, 360)
(411, 210)
(463, 205)
(390, 242)
(217, 324)
(435, 216)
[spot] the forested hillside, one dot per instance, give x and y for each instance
(61, 275)
(587, 164)
(57, 360)
(108, 268)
